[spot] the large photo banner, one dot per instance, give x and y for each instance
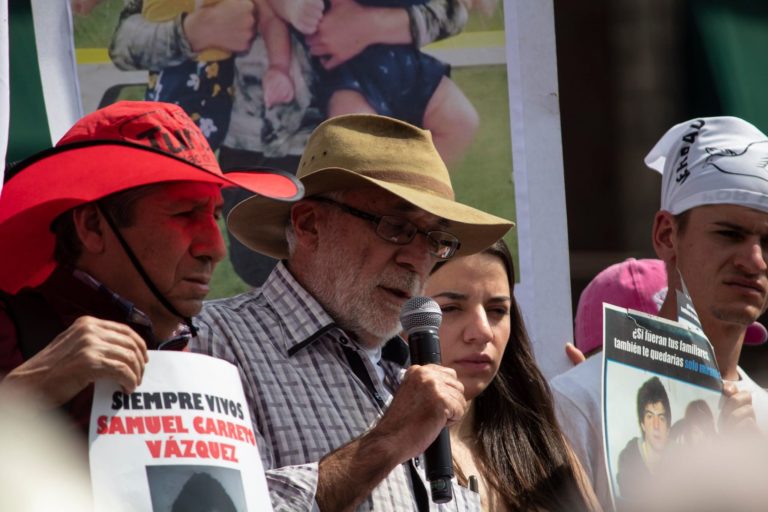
(183, 440)
(439, 64)
(259, 75)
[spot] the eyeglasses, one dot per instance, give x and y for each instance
(400, 231)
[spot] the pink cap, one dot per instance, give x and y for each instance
(636, 284)
(756, 334)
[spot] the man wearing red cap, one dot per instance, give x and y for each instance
(112, 238)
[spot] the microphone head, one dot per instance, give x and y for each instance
(420, 313)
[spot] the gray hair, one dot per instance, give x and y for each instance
(290, 236)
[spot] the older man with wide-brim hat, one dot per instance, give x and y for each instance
(318, 344)
(110, 239)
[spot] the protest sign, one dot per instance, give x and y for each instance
(661, 390)
(183, 436)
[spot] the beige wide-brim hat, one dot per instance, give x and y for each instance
(363, 150)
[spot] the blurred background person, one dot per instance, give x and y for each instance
(43, 467)
(696, 427)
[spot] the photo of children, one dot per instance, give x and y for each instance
(396, 80)
(296, 62)
(201, 86)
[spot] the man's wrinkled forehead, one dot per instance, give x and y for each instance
(743, 218)
(170, 195)
(195, 191)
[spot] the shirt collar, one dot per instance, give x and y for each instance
(133, 315)
(303, 317)
(396, 350)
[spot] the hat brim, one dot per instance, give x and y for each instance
(43, 187)
(259, 223)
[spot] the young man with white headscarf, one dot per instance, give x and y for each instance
(712, 233)
(709, 232)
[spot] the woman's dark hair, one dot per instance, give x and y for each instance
(523, 454)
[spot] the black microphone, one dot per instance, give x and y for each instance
(421, 317)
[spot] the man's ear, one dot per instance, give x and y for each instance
(90, 226)
(304, 219)
(665, 238)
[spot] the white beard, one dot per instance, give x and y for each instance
(357, 304)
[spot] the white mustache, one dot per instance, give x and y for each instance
(407, 282)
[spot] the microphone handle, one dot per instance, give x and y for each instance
(425, 349)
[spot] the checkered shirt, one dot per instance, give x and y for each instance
(305, 398)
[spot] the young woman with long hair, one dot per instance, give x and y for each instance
(509, 439)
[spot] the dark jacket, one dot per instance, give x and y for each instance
(31, 319)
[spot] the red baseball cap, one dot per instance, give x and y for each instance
(124, 145)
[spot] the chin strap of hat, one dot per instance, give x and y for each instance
(131, 256)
